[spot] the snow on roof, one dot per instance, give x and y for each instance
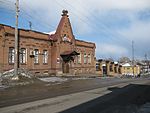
(126, 65)
(50, 33)
(115, 62)
(103, 64)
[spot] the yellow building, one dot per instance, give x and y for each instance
(129, 70)
(108, 68)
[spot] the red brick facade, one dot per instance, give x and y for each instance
(64, 54)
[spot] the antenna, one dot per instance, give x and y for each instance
(30, 25)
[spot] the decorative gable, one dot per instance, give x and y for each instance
(64, 29)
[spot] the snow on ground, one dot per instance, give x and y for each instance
(53, 79)
(80, 78)
(22, 72)
(61, 79)
(8, 73)
(3, 87)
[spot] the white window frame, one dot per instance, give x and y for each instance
(23, 55)
(36, 56)
(85, 58)
(11, 55)
(45, 56)
(89, 58)
(79, 59)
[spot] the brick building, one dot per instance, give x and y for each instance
(54, 53)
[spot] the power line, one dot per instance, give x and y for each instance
(36, 15)
(25, 14)
(106, 30)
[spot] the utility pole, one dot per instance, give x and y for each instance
(133, 57)
(16, 41)
(146, 62)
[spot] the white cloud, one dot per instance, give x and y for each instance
(80, 12)
(104, 49)
(139, 31)
(81, 15)
(121, 4)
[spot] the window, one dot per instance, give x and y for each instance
(89, 58)
(65, 38)
(36, 56)
(85, 58)
(11, 56)
(119, 70)
(79, 58)
(45, 57)
(97, 67)
(111, 68)
(115, 68)
(23, 55)
(128, 68)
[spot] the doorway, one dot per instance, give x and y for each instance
(104, 70)
(65, 67)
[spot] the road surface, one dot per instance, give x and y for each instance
(83, 96)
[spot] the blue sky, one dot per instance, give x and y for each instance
(111, 24)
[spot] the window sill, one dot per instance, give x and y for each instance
(45, 63)
(11, 63)
(23, 63)
(36, 63)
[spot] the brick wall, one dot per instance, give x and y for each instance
(64, 41)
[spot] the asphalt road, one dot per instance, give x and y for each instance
(129, 99)
(120, 99)
(39, 90)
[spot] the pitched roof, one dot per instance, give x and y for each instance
(64, 19)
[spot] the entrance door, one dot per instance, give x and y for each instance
(65, 67)
(104, 70)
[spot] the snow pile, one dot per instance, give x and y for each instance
(9, 73)
(8, 78)
(53, 79)
(21, 72)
